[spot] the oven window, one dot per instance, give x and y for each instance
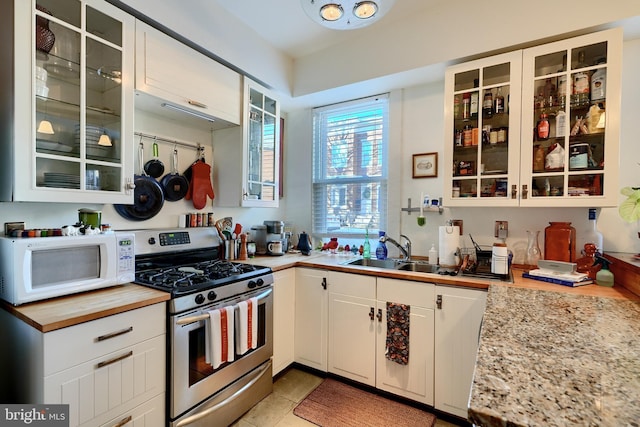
(51, 266)
(199, 369)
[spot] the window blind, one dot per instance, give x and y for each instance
(350, 145)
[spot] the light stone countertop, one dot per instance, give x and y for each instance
(556, 359)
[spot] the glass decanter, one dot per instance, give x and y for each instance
(533, 249)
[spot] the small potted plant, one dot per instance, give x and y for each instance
(630, 209)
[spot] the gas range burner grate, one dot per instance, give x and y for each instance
(184, 279)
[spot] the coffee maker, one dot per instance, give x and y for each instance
(275, 233)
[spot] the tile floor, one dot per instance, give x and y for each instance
(276, 410)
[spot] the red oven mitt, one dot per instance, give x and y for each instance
(200, 186)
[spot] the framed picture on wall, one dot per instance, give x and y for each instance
(425, 165)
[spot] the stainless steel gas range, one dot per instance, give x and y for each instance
(186, 263)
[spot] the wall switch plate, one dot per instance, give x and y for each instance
(501, 229)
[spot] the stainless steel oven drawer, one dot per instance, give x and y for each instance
(226, 406)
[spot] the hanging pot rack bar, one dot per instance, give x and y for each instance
(198, 147)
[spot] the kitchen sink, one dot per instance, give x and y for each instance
(395, 264)
(419, 267)
(380, 263)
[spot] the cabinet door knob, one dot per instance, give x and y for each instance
(324, 282)
(439, 302)
(379, 315)
(514, 191)
(525, 191)
(371, 313)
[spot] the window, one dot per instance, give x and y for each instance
(350, 143)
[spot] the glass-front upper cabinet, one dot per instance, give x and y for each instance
(261, 141)
(482, 130)
(571, 110)
(76, 144)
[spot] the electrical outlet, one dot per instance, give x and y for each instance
(501, 229)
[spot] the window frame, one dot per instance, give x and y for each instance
(377, 156)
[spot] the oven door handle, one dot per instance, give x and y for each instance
(199, 317)
(200, 415)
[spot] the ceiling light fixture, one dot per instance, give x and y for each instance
(347, 14)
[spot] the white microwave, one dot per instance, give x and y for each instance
(33, 269)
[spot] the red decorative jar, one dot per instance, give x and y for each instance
(560, 242)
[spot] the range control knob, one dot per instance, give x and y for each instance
(199, 299)
(252, 284)
(152, 240)
(212, 295)
(260, 282)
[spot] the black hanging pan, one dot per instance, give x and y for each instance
(154, 167)
(175, 186)
(148, 197)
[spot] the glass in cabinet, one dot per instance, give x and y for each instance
(571, 105)
(482, 116)
(79, 65)
(262, 147)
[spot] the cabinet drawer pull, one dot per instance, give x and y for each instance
(196, 103)
(114, 334)
(123, 421)
(114, 360)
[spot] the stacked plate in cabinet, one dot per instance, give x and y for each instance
(94, 149)
(61, 180)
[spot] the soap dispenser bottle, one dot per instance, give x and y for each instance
(433, 255)
(381, 249)
(604, 277)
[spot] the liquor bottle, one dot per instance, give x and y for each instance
(466, 106)
(543, 127)
(474, 100)
(499, 102)
(591, 234)
(487, 104)
(581, 85)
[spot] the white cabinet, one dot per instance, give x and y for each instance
(415, 380)
(284, 304)
(106, 370)
(552, 140)
(482, 149)
(583, 123)
(358, 331)
(247, 166)
(179, 77)
(311, 318)
(458, 318)
(352, 326)
(69, 116)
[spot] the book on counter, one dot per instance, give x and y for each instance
(559, 278)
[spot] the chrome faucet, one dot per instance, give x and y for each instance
(405, 250)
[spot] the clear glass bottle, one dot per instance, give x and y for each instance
(366, 252)
(534, 254)
(592, 235)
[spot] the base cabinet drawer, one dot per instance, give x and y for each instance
(102, 336)
(103, 388)
(149, 414)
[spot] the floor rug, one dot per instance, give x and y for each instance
(335, 404)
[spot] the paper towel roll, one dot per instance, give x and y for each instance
(449, 242)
